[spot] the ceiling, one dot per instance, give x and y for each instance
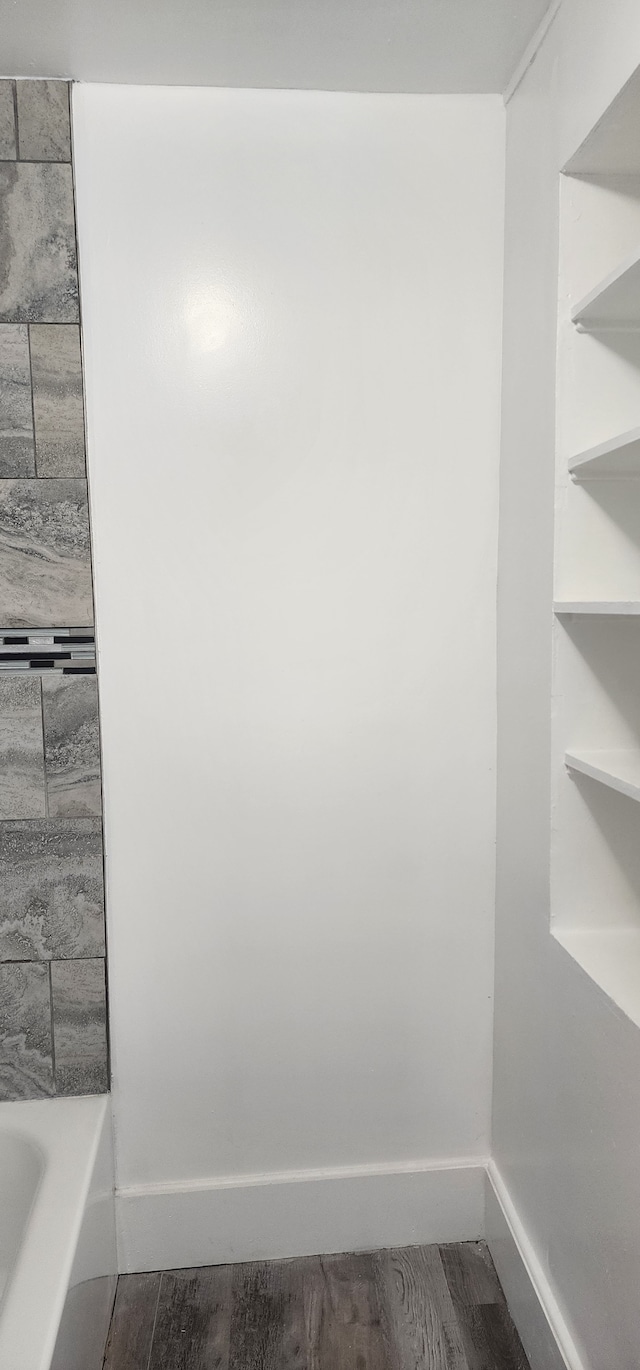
(426, 46)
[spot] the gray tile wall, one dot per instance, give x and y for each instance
(53, 1022)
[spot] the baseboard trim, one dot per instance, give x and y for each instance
(299, 1213)
(545, 1334)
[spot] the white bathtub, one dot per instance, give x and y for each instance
(57, 1234)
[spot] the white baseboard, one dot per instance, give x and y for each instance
(359, 1208)
(264, 1217)
(543, 1329)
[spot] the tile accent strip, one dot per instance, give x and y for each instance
(70, 650)
(53, 1035)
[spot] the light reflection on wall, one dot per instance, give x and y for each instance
(213, 317)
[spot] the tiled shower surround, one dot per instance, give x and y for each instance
(52, 943)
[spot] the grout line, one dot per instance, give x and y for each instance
(68, 86)
(53, 1040)
(33, 407)
(44, 753)
(42, 161)
(30, 961)
(55, 818)
(43, 478)
(15, 119)
(155, 1319)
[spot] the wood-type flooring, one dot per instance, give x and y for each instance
(417, 1308)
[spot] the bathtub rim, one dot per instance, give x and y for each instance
(68, 1132)
(33, 1146)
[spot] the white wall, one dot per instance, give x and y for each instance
(567, 1062)
(292, 319)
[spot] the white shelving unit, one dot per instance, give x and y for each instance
(616, 459)
(611, 957)
(595, 857)
(613, 147)
(619, 769)
(614, 303)
(595, 607)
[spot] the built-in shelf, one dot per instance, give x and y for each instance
(611, 957)
(595, 900)
(618, 457)
(612, 148)
(595, 607)
(619, 768)
(615, 302)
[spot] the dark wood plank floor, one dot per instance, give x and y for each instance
(419, 1308)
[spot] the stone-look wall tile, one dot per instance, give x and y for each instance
(7, 123)
(51, 890)
(44, 130)
(38, 272)
(45, 569)
(71, 744)
(26, 1069)
(79, 1026)
(56, 369)
(52, 939)
(22, 792)
(16, 416)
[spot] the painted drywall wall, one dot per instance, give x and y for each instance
(292, 315)
(566, 1115)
